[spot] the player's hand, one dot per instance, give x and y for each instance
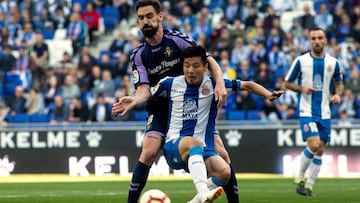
(307, 90)
(335, 99)
(275, 95)
(124, 105)
(220, 96)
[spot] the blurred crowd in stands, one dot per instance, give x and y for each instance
(249, 38)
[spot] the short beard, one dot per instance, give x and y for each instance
(148, 33)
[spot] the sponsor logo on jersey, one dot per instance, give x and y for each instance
(136, 76)
(168, 52)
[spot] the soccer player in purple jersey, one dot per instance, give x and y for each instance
(312, 75)
(160, 56)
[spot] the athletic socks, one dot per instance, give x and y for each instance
(231, 187)
(305, 160)
(197, 168)
(138, 181)
(314, 170)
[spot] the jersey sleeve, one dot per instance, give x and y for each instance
(294, 71)
(162, 88)
(337, 73)
(182, 40)
(139, 72)
(232, 85)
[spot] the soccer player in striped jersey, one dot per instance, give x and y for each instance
(312, 75)
(189, 142)
(157, 57)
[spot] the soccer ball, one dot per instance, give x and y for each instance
(155, 196)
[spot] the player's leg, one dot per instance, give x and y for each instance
(153, 140)
(151, 145)
(231, 188)
(315, 165)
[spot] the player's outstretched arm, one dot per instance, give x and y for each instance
(255, 88)
(220, 90)
(125, 104)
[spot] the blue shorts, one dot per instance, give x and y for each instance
(315, 127)
(173, 156)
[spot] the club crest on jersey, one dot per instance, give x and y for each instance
(205, 90)
(168, 52)
(306, 128)
(136, 76)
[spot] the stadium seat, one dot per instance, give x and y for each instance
(139, 116)
(252, 115)
(236, 115)
(20, 118)
(111, 18)
(60, 34)
(48, 34)
(39, 118)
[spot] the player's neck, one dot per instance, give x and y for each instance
(318, 55)
(156, 39)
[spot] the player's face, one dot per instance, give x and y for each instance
(318, 41)
(194, 70)
(149, 21)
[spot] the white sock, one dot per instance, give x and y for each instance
(305, 160)
(198, 172)
(314, 170)
(211, 185)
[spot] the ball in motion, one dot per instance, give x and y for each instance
(155, 196)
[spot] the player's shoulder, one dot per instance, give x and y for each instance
(137, 50)
(174, 34)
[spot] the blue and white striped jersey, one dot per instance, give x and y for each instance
(192, 109)
(318, 73)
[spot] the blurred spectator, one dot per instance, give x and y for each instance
(13, 27)
(240, 51)
(232, 10)
(219, 30)
(27, 5)
(53, 89)
(270, 16)
(250, 20)
(324, 19)
(287, 103)
(60, 112)
(70, 89)
(272, 39)
(344, 29)
(106, 63)
(100, 111)
(124, 7)
(102, 3)
(4, 110)
(79, 110)
(244, 72)
(203, 26)
(353, 83)
(92, 18)
(119, 45)
(77, 32)
(40, 59)
(16, 102)
(237, 29)
(122, 66)
(227, 70)
(304, 42)
(22, 65)
(34, 102)
(269, 113)
(348, 104)
(61, 21)
(7, 61)
(44, 20)
(223, 43)
(126, 87)
(60, 4)
(106, 86)
(63, 67)
(307, 20)
(245, 102)
(264, 76)
(95, 78)
(187, 17)
(277, 61)
(4, 37)
(257, 54)
(27, 34)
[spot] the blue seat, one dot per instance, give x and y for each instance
(140, 116)
(48, 34)
(252, 115)
(111, 17)
(20, 118)
(38, 118)
(236, 115)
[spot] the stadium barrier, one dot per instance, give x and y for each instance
(112, 149)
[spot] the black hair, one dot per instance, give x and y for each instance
(194, 51)
(154, 3)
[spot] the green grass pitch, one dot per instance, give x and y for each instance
(61, 189)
